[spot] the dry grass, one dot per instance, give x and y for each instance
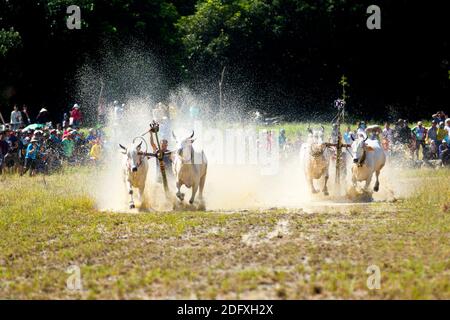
(281, 254)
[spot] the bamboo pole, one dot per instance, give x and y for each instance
(340, 104)
(154, 128)
(338, 151)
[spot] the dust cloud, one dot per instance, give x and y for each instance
(230, 184)
(241, 174)
(233, 182)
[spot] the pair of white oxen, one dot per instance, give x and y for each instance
(368, 158)
(189, 169)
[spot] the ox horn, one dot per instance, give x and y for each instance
(174, 137)
(367, 137)
(123, 147)
(139, 145)
(323, 128)
(192, 135)
(353, 138)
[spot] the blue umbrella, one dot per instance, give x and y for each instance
(33, 126)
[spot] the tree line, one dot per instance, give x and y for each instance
(282, 56)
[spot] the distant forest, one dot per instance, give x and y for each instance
(280, 56)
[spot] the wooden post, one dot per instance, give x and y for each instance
(344, 84)
(338, 152)
(154, 128)
(340, 104)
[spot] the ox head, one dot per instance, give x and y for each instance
(359, 149)
(316, 135)
(134, 158)
(184, 147)
(317, 150)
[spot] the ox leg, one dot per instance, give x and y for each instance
(179, 194)
(194, 191)
(130, 192)
(377, 182)
(368, 181)
(354, 182)
(141, 194)
(325, 188)
(201, 186)
(311, 184)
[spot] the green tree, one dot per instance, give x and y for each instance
(9, 40)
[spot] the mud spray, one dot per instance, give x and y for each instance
(238, 177)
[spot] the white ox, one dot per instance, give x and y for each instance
(189, 168)
(315, 157)
(368, 157)
(135, 168)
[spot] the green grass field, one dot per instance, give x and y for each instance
(278, 253)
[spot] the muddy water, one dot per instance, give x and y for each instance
(231, 187)
(240, 188)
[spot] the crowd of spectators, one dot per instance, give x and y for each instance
(400, 141)
(425, 143)
(43, 146)
(28, 146)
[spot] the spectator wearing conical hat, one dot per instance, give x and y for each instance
(31, 156)
(76, 115)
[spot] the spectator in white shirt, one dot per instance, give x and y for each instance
(447, 126)
(16, 118)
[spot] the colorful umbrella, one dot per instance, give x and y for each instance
(33, 126)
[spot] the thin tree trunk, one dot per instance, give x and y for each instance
(220, 90)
